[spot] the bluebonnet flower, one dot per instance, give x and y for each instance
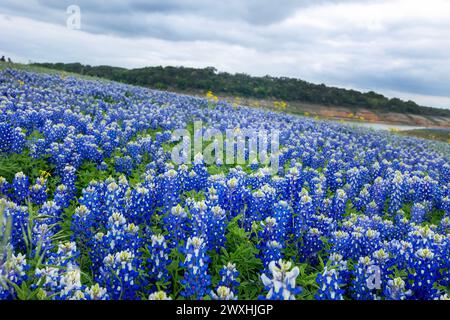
(424, 273)
(283, 216)
(372, 209)
(339, 203)
(176, 224)
(21, 187)
(196, 278)
(396, 290)
(124, 164)
(94, 292)
(62, 196)
(418, 212)
(68, 179)
(360, 288)
(223, 293)
(38, 192)
(270, 251)
(60, 278)
(121, 235)
(397, 193)
(119, 275)
(6, 137)
(51, 214)
(19, 141)
(269, 230)
(216, 229)
(13, 270)
(83, 225)
(304, 212)
(311, 245)
(229, 277)
(200, 175)
(159, 259)
(378, 192)
(235, 196)
(141, 205)
(198, 211)
(354, 181)
(113, 199)
(282, 285)
(18, 218)
(363, 200)
(168, 189)
(329, 285)
(336, 261)
(260, 206)
(159, 295)
(444, 227)
(4, 186)
(42, 234)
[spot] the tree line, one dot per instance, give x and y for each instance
(240, 84)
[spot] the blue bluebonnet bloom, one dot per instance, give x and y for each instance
(329, 285)
(51, 214)
(60, 277)
(83, 225)
(6, 137)
(396, 290)
(311, 245)
(38, 191)
(339, 203)
(216, 229)
(42, 234)
(159, 295)
(159, 259)
(141, 205)
(282, 285)
(304, 212)
(397, 192)
(196, 278)
(68, 179)
(13, 270)
(362, 288)
(62, 196)
(168, 189)
(223, 293)
(4, 186)
(270, 251)
(11, 139)
(119, 275)
(229, 277)
(424, 273)
(176, 224)
(21, 187)
(17, 217)
(418, 212)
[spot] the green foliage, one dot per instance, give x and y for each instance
(12, 163)
(242, 252)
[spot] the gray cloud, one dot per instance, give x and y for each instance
(389, 46)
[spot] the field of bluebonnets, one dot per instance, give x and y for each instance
(92, 207)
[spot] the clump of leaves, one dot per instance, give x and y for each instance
(241, 251)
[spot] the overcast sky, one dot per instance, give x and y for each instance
(396, 47)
